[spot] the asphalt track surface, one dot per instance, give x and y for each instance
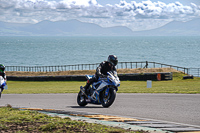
(179, 108)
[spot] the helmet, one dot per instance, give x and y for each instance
(113, 60)
(2, 68)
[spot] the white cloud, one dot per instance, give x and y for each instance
(126, 14)
(82, 2)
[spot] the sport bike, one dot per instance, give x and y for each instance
(2, 85)
(101, 92)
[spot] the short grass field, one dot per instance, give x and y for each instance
(177, 85)
(25, 121)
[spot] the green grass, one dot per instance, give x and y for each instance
(24, 87)
(24, 121)
(177, 85)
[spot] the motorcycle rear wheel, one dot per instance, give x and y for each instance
(81, 99)
(108, 100)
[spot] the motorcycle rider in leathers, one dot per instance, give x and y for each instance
(2, 71)
(101, 71)
(3, 74)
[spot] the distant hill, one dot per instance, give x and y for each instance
(77, 28)
(175, 28)
(64, 28)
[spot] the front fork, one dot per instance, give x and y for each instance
(82, 92)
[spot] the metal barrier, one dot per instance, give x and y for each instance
(121, 65)
(194, 71)
(52, 68)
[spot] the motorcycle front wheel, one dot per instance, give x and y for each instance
(108, 99)
(81, 99)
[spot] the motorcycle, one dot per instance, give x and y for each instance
(101, 92)
(2, 85)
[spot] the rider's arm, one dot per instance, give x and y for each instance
(114, 69)
(98, 70)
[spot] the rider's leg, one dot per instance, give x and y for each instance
(89, 82)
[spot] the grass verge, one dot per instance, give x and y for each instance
(14, 120)
(177, 85)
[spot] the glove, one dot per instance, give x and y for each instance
(103, 76)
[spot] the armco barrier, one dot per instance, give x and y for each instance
(123, 77)
(47, 78)
(145, 76)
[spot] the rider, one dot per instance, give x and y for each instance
(101, 71)
(3, 74)
(2, 71)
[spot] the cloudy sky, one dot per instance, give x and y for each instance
(135, 14)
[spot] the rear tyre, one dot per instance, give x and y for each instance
(81, 99)
(109, 99)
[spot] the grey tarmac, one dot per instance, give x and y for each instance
(177, 108)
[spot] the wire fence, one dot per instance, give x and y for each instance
(194, 71)
(121, 65)
(52, 68)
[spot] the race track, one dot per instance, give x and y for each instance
(180, 108)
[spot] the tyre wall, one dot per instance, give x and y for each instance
(122, 77)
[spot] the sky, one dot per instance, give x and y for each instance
(134, 14)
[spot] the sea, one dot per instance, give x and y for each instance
(183, 51)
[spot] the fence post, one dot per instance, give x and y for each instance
(147, 64)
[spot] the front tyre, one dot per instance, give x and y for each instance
(81, 99)
(108, 99)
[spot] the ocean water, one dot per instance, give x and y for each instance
(51, 51)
